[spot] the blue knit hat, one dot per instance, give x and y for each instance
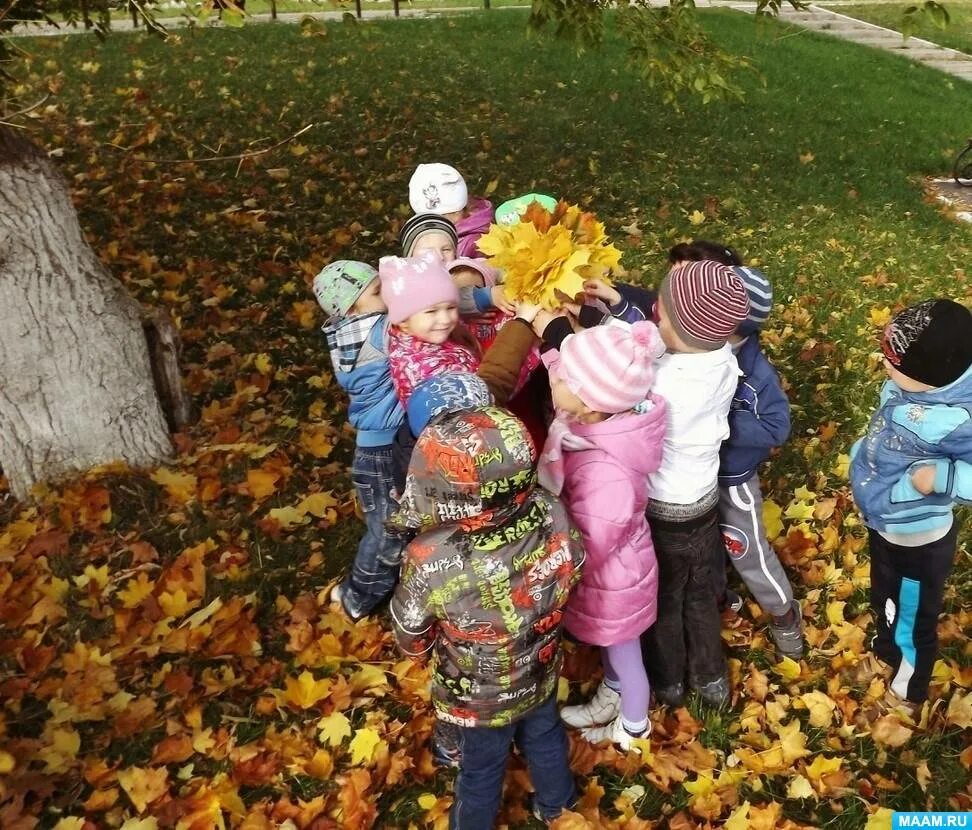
(453, 392)
(760, 294)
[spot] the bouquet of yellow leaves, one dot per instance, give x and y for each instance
(547, 255)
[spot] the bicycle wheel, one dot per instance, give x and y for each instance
(962, 171)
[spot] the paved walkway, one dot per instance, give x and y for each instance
(813, 18)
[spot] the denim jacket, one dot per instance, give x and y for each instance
(910, 430)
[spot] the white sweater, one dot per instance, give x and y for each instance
(699, 389)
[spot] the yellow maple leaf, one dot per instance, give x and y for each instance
(62, 749)
(181, 487)
(792, 741)
(261, 483)
(821, 767)
(820, 706)
(841, 467)
(739, 820)
(320, 504)
(771, 519)
(136, 590)
(304, 691)
(788, 668)
(799, 787)
(263, 364)
(799, 511)
(70, 823)
(144, 785)
(318, 440)
(371, 678)
(879, 317)
(803, 493)
(288, 517)
(427, 801)
(696, 217)
(99, 576)
(7, 762)
(890, 731)
(334, 728)
(176, 603)
(880, 819)
(835, 612)
(148, 823)
(959, 711)
(363, 746)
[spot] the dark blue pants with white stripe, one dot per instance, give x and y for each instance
(907, 589)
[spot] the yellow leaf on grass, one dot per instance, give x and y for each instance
(842, 466)
(960, 710)
(771, 519)
(799, 787)
(320, 504)
(181, 487)
(793, 741)
(136, 590)
(288, 517)
(739, 820)
(149, 823)
(262, 483)
(363, 745)
(317, 440)
(803, 493)
(822, 766)
(800, 511)
(880, 819)
(821, 708)
(333, 729)
(427, 801)
(371, 678)
(890, 731)
(835, 612)
(176, 603)
(879, 316)
(7, 762)
(304, 691)
(61, 751)
(787, 668)
(696, 217)
(263, 364)
(144, 785)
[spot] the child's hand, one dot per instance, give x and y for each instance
(542, 320)
(603, 291)
(923, 479)
(527, 312)
(501, 301)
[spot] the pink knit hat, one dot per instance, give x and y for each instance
(706, 301)
(489, 274)
(611, 368)
(413, 284)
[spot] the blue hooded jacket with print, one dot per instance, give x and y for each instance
(910, 430)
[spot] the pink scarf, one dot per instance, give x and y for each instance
(551, 467)
(411, 361)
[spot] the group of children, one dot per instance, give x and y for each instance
(523, 471)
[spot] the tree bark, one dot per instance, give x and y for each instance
(76, 386)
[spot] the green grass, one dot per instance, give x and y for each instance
(956, 35)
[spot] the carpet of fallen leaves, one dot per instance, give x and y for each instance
(167, 657)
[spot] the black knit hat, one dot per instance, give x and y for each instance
(422, 223)
(930, 342)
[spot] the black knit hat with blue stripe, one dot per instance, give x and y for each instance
(760, 294)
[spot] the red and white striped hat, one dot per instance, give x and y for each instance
(705, 301)
(611, 368)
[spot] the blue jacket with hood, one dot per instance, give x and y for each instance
(910, 430)
(759, 417)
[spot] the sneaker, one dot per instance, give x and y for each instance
(673, 695)
(603, 708)
(787, 632)
(616, 734)
(732, 602)
(337, 596)
(715, 693)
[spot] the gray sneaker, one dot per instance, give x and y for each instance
(787, 632)
(715, 693)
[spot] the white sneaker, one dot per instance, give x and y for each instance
(603, 708)
(616, 734)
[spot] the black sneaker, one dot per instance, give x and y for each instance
(732, 602)
(673, 695)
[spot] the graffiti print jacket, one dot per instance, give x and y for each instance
(484, 584)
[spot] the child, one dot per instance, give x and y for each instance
(908, 470)
(483, 592)
(423, 311)
(429, 233)
(604, 443)
(439, 188)
(759, 420)
(356, 332)
(699, 305)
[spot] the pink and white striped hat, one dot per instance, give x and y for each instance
(611, 368)
(706, 301)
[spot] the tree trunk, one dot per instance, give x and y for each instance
(76, 387)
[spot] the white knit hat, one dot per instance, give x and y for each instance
(437, 188)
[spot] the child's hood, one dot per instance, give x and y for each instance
(956, 393)
(634, 440)
(476, 467)
(479, 218)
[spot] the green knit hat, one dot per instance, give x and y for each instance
(339, 285)
(509, 213)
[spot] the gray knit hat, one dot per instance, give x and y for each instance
(339, 285)
(421, 224)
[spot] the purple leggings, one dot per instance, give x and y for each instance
(624, 668)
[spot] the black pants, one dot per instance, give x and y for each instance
(686, 633)
(907, 588)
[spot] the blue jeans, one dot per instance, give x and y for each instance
(379, 556)
(485, 752)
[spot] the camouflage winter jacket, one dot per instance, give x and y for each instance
(483, 587)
